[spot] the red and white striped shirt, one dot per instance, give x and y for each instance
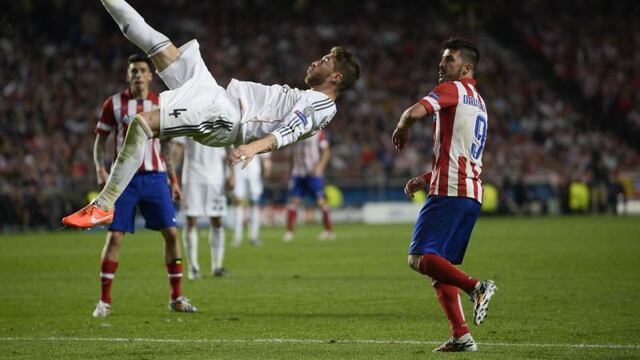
(307, 154)
(459, 133)
(117, 112)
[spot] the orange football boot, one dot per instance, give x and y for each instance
(88, 216)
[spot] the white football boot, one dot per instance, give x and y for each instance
(480, 297)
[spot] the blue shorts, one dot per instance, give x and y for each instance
(312, 185)
(444, 227)
(149, 191)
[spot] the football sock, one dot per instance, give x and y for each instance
(174, 271)
(238, 225)
(292, 214)
(134, 28)
(443, 271)
(449, 299)
(216, 245)
(107, 273)
(127, 163)
(254, 229)
(326, 219)
(190, 240)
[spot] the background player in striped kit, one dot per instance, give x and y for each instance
(147, 190)
(444, 225)
(248, 185)
(309, 158)
(204, 178)
(257, 118)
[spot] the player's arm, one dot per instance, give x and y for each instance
(324, 157)
(443, 96)
(98, 158)
(166, 147)
(104, 127)
(400, 136)
(244, 153)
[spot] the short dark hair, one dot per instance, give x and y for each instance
(468, 50)
(138, 58)
(346, 64)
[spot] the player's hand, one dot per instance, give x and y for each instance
(176, 192)
(242, 154)
(400, 138)
(102, 176)
(318, 171)
(413, 185)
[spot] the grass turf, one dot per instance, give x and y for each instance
(562, 282)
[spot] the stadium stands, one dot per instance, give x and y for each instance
(54, 75)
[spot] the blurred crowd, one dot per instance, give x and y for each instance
(61, 59)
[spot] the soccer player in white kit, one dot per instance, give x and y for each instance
(203, 184)
(257, 118)
(249, 186)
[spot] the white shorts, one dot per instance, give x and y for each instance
(203, 200)
(196, 105)
(248, 180)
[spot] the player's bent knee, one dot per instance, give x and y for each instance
(139, 121)
(414, 261)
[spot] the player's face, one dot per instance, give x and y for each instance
(319, 71)
(139, 76)
(450, 67)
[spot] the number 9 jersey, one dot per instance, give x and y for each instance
(459, 130)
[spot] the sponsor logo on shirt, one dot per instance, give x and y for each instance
(434, 95)
(302, 117)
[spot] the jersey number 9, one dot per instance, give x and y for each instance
(480, 134)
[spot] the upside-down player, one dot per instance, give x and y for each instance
(444, 225)
(258, 118)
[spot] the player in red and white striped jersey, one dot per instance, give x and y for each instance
(444, 225)
(309, 158)
(148, 190)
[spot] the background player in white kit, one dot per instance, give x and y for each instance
(248, 185)
(258, 118)
(309, 158)
(203, 187)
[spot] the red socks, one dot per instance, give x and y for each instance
(107, 273)
(442, 271)
(174, 270)
(326, 220)
(292, 214)
(449, 299)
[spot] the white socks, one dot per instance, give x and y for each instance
(134, 28)
(127, 163)
(254, 230)
(190, 240)
(238, 225)
(216, 245)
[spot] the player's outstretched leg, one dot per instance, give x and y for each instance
(134, 28)
(100, 210)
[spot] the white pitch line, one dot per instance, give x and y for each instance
(317, 341)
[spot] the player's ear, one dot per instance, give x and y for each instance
(335, 78)
(467, 68)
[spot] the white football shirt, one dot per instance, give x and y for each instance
(289, 114)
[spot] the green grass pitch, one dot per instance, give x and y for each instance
(568, 288)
